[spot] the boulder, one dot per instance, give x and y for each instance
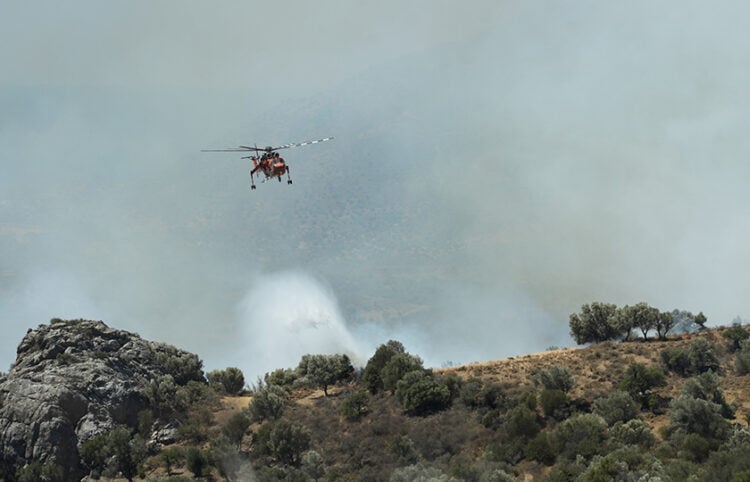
(76, 379)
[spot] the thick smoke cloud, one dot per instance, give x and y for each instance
(493, 169)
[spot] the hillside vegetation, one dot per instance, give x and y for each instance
(676, 408)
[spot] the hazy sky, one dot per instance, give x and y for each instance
(495, 165)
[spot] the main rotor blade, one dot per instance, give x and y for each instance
(226, 150)
(298, 144)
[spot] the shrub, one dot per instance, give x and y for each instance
(282, 377)
(582, 434)
(736, 335)
(742, 359)
(268, 402)
(403, 449)
(230, 380)
(419, 393)
(702, 356)
(171, 457)
(470, 392)
(676, 360)
(627, 463)
(236, 427)
(633, 432)
(521, 423)
(287, 441)
(707, 386)
(555, 378)
(554, 404)
(639, 382)
(420, 473)
(181, 365)
(616, 407)
(197, 462)
(695, 448)
(542, 449)
(694, 415)
(36, 471)
(355, 405)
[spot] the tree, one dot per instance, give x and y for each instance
(593, 325)
(644, 317)
(700, 320)
(127, 452)
(399, 365)
(324, 370)
(371, 376)
(664, 323)
(419, 393)
(171, 456)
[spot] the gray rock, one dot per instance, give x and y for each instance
(74, 380)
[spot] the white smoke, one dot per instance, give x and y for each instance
(289, 314)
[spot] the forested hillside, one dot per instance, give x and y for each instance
(655, 409)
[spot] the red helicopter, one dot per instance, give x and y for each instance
(269, 162)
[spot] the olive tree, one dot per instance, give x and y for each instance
(324, 370)
(592, 324)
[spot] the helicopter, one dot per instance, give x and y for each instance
(269, 163)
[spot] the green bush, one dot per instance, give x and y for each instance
(639, 381)
(616, 407)
(267, 403)
(554, 404)
(702, 356)
(582, 435)
(36, 472)
(282, 377)
(694, 415)
(742, 359)
(419, 393)
(542, 449)
(230, 380)
(399, 365)
(236, 427)
(197, 462)
(676, 360)
(555, 378)
(287, 441)
(627, 463)
(633, 432)
(736, 335)
(521, 423)
(355, 405)
(593, 324)
(171, 457)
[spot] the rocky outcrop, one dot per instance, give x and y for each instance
(73, 380)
